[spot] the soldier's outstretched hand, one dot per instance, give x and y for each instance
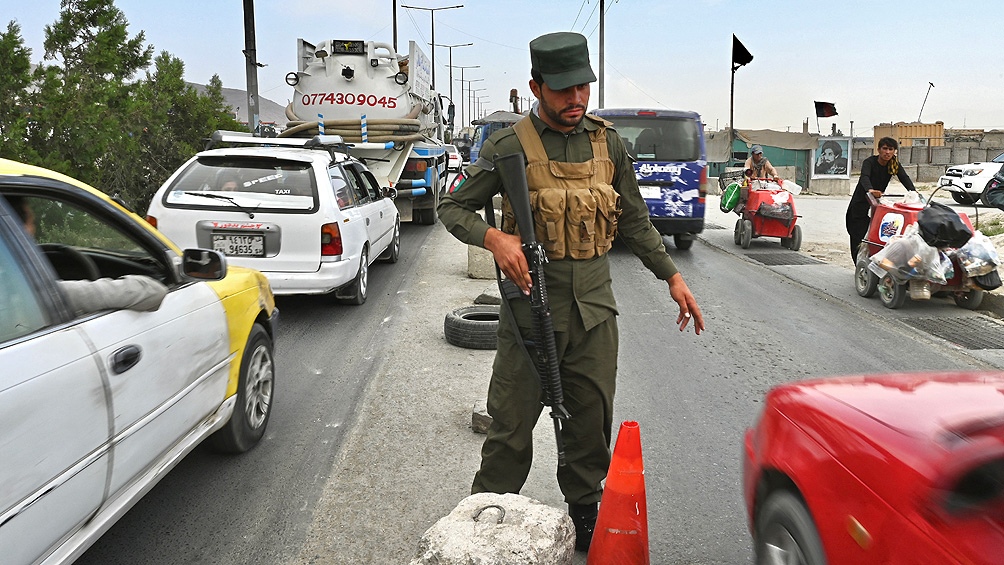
(681, 294)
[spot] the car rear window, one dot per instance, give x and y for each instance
(265, 184)
(659, 138)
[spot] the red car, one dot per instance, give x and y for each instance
(901, 468)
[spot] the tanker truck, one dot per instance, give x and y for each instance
(383, 107)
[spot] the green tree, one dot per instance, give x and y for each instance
(15, 60)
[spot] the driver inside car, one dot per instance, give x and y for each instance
(133, 292)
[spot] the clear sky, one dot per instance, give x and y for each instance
(872, 58)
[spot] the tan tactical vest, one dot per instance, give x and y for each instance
(575, 207)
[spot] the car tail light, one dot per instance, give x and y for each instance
(331, 240)
(646, 113)
(702, 187)
(151, 220)
(416, 165)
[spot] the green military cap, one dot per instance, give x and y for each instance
(561, 59)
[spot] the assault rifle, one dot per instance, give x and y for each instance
(512, 170)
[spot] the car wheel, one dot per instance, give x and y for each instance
(681, 243)
(255, 393)
(473, 327)
(786, 534)
(355, 292)
(865, 281)
(747, 234)
(795, 242)
(970, 299)
(737, 234)
(393, 251)
(964, 198)
(891, 294)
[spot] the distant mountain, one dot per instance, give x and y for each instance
(237, 99)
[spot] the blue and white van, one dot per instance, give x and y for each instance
(671, 165)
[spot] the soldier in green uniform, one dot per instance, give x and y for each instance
(584, 191)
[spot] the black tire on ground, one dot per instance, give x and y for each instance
(891, 294)
(737, 234)
(785, 532)
(355, 292)
(473, 327)
(865, 281)
(746, 235)
(795, 243)
(970, 300)
(255, 395)
(425, 216)
(393, 251)
(682, 243)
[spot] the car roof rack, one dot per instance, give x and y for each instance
(334, 144)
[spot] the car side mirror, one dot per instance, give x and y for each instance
(971, 479)
(390, 192)
(204, 264)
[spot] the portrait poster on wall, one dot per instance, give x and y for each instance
(831, 158)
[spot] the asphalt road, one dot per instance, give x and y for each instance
(257, 507)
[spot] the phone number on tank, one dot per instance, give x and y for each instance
(348, 99)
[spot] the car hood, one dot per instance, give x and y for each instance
(922, 405)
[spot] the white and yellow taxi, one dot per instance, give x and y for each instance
(97, 407)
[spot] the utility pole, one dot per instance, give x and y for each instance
(252, 64)
(432, 15)
(470, 98)
(462, 81)
(472, 92)
(394, 12)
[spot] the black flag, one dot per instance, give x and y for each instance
(740, 55)
(825, 109)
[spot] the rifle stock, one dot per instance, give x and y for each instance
(512, 170)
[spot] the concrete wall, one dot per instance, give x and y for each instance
(939, 157)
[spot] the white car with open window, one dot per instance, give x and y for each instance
(968, 183)
(304, 212)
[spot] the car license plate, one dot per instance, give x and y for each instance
(239, 245)
(651, 192)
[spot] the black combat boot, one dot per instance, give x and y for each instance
(584, 518)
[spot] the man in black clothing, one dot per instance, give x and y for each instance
(876, 171)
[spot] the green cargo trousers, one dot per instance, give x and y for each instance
(588, 368)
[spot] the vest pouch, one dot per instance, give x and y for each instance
(581, 224)
(572, 171)
(548, 205)
(508, 217)
(607, 212)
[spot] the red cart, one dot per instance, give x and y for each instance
(890, 219)
(766, 210)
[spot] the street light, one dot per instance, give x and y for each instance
(450, 47)
(432, 16)
(470, 92)
(480, 106)
(463, 100)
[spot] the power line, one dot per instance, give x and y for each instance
(578, 14)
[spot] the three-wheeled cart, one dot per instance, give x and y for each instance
(893, 283)
(765, 209)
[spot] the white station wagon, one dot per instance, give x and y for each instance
(304, 212)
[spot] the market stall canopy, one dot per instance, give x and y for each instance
(718, 150)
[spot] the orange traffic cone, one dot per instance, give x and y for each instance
(621, 534)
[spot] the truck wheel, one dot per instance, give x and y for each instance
(473, 327)
(255, 395)
(970, 300)
(425, 216)
(681, 243)
(964, 198)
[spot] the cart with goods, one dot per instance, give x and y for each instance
(765, 208)
(916, 250)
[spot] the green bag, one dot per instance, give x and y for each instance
(730, 197)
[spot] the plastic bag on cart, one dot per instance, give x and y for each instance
(791, 187)
(730, 197)
(978, 256)
(908, 256)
